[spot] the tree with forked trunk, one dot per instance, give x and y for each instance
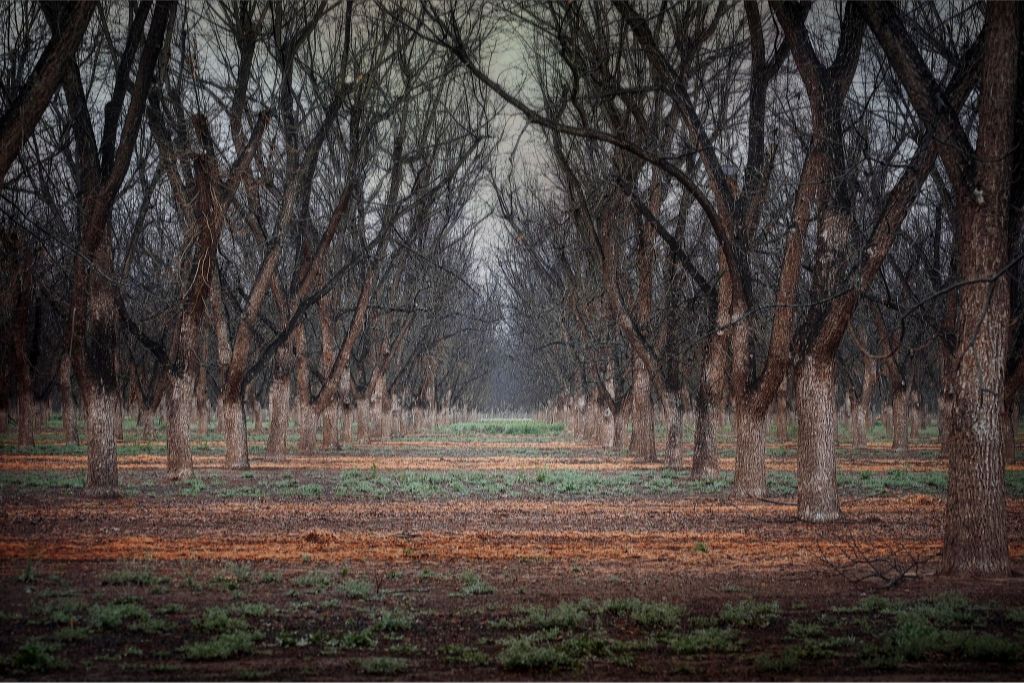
(101, 167)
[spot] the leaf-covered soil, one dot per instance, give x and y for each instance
(488, 556)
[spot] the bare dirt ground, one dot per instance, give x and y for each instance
(474, 558)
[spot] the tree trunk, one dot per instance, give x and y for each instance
(329, 424)
(781, 419)
(363, 417)
(26, 421)
(817, 489)
(750, 479)
(307, 427)
(202, 403)
(257, 416)
(306, 416)
(975, 540)
(235, 438)
(705, 443)
(101, 411)
(147, 420)
(277, 439)
(675, 416)
(179, 451)
(641, 440)
(346, 423)
(618, 426)
(858, 425)
(900, 421)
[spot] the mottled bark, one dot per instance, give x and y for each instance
(235, 437)
(257, 416)
(641, 440)
(609, 429)
(280, 395)
(975, 539)
(817, 489)
(363, 419)
(346, 423)
(329, 425)
(147, 425)
(676, 418)
(750, 479)
(306, 416)
(705, 444)
(900, 421)
(180, 400)
(101, 411)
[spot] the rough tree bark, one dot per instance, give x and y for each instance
(975, 538)
(280, 397)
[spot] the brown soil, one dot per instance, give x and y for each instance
(696, 551)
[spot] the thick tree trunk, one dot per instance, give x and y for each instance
(329, 424)
(858, 425)
(202, 403)
(277, 438)
(346, 423)
(750, 479)
(817, 489)
(101, 412)
(26, 420)
(705, 443)
(179, 451)
(363, 418)
(900, 421)
(147, 425)
(641, 440)
(307, 419)
(257, 416)
(606, 428)
(975, 539)
(676, 418)
(618, 427)
(67, 402)
(781, 419)
(235, 438)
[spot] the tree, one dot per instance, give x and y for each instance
(101, 165)
(975, 540)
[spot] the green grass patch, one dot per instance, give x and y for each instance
(224, 645)
(219, 620)
(34, 657)
(464, 655)
(649, 614)
(473, 584)
(358, 589)
(42, 480)
(700, 640)
(563, 615)
(395, 620)
(529, 653)
(504, 427)
(134, 576)
(128, 615)
(383, 666)
(747, 613)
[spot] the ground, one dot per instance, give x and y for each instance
(490, 550)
